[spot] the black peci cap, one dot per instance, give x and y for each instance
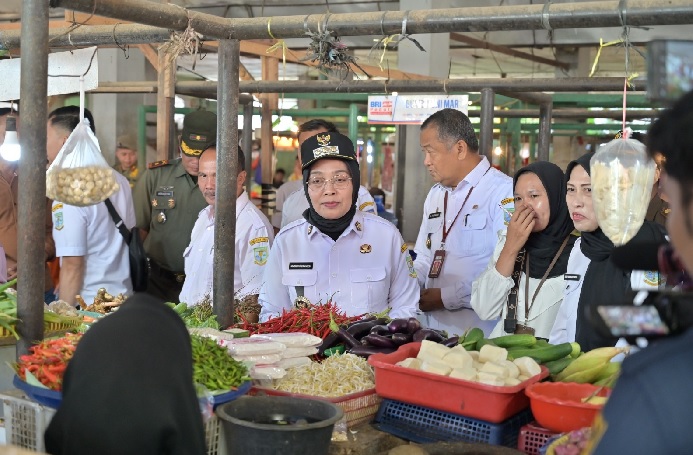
(327, 145)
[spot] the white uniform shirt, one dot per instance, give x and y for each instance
(469, 244)
(490, 297)
(254, 235)
(90, 232)
(563, 330)
(366, 270)
(283, 192)
(297, 203)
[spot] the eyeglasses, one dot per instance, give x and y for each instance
(340, 182)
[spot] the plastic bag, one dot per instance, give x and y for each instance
(80, 174)
(622, 176)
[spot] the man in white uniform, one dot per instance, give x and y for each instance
(463, 213)
(254, 235)
(93, 253)
(292, 200)
(339, 253)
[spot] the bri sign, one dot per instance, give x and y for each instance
(411, 109)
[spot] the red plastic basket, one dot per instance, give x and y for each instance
(358, 407)
(533, 438)
(479, 401)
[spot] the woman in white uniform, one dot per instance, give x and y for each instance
(356, 259)
(592, 278)
(523, 282)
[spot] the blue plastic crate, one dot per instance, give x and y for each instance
(423, 425)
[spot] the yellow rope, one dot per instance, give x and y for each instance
(602, 45)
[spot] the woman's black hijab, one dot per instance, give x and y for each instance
(604, 283)
(129, 388)
(543, 246)
(330, 145)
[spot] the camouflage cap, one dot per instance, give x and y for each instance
(326, 145)
(199, 132)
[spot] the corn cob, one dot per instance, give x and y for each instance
(590, 360)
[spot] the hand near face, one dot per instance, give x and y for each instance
(520, 227)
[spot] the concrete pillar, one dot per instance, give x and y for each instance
(116, 114)
(434, 62)
(567, 148)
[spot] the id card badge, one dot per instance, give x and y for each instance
(437, 264)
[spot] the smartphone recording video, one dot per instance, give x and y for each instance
(629, 321)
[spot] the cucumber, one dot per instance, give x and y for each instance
(556, 366)
(482, 342)
(510, 341)
(542, 343)
(543, 355)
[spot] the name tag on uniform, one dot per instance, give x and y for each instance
(571, 277)
(164, 193)
(300, 265)
(434, 215)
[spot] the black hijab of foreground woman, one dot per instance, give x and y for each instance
(542, 246)
(129, 388)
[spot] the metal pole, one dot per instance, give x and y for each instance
(31, 213)
(94, 35)
(544, 139)
(226, 181)
(575, 84)
(486, 124)
(400, 163)
(247, 140)
(570, 113)
(471, 19)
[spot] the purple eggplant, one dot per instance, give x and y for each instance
(379, 340)
(451, 342)
(365, 351)
(401, 338)
(428, 334)
(330, 341)
(413, 325)
(361, 328)
(342, 333)
(380, 330)
(399, 325)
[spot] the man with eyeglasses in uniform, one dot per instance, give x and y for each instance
(167, 202)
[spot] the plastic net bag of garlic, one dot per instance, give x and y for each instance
(622, 177)
(80, 175)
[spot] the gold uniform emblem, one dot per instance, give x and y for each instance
(161, 217)
(171, 203)
(310, 229)
(365, 248)
(358, 226)
(155, 203)
(323, 139)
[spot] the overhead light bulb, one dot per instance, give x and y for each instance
(10, 149)
(498, 151)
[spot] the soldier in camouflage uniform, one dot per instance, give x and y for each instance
(167, 203)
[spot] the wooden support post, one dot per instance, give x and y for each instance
(165, 130)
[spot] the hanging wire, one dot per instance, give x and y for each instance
(125, 48)
(393, 40)
(75, 25)
(91, 60)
